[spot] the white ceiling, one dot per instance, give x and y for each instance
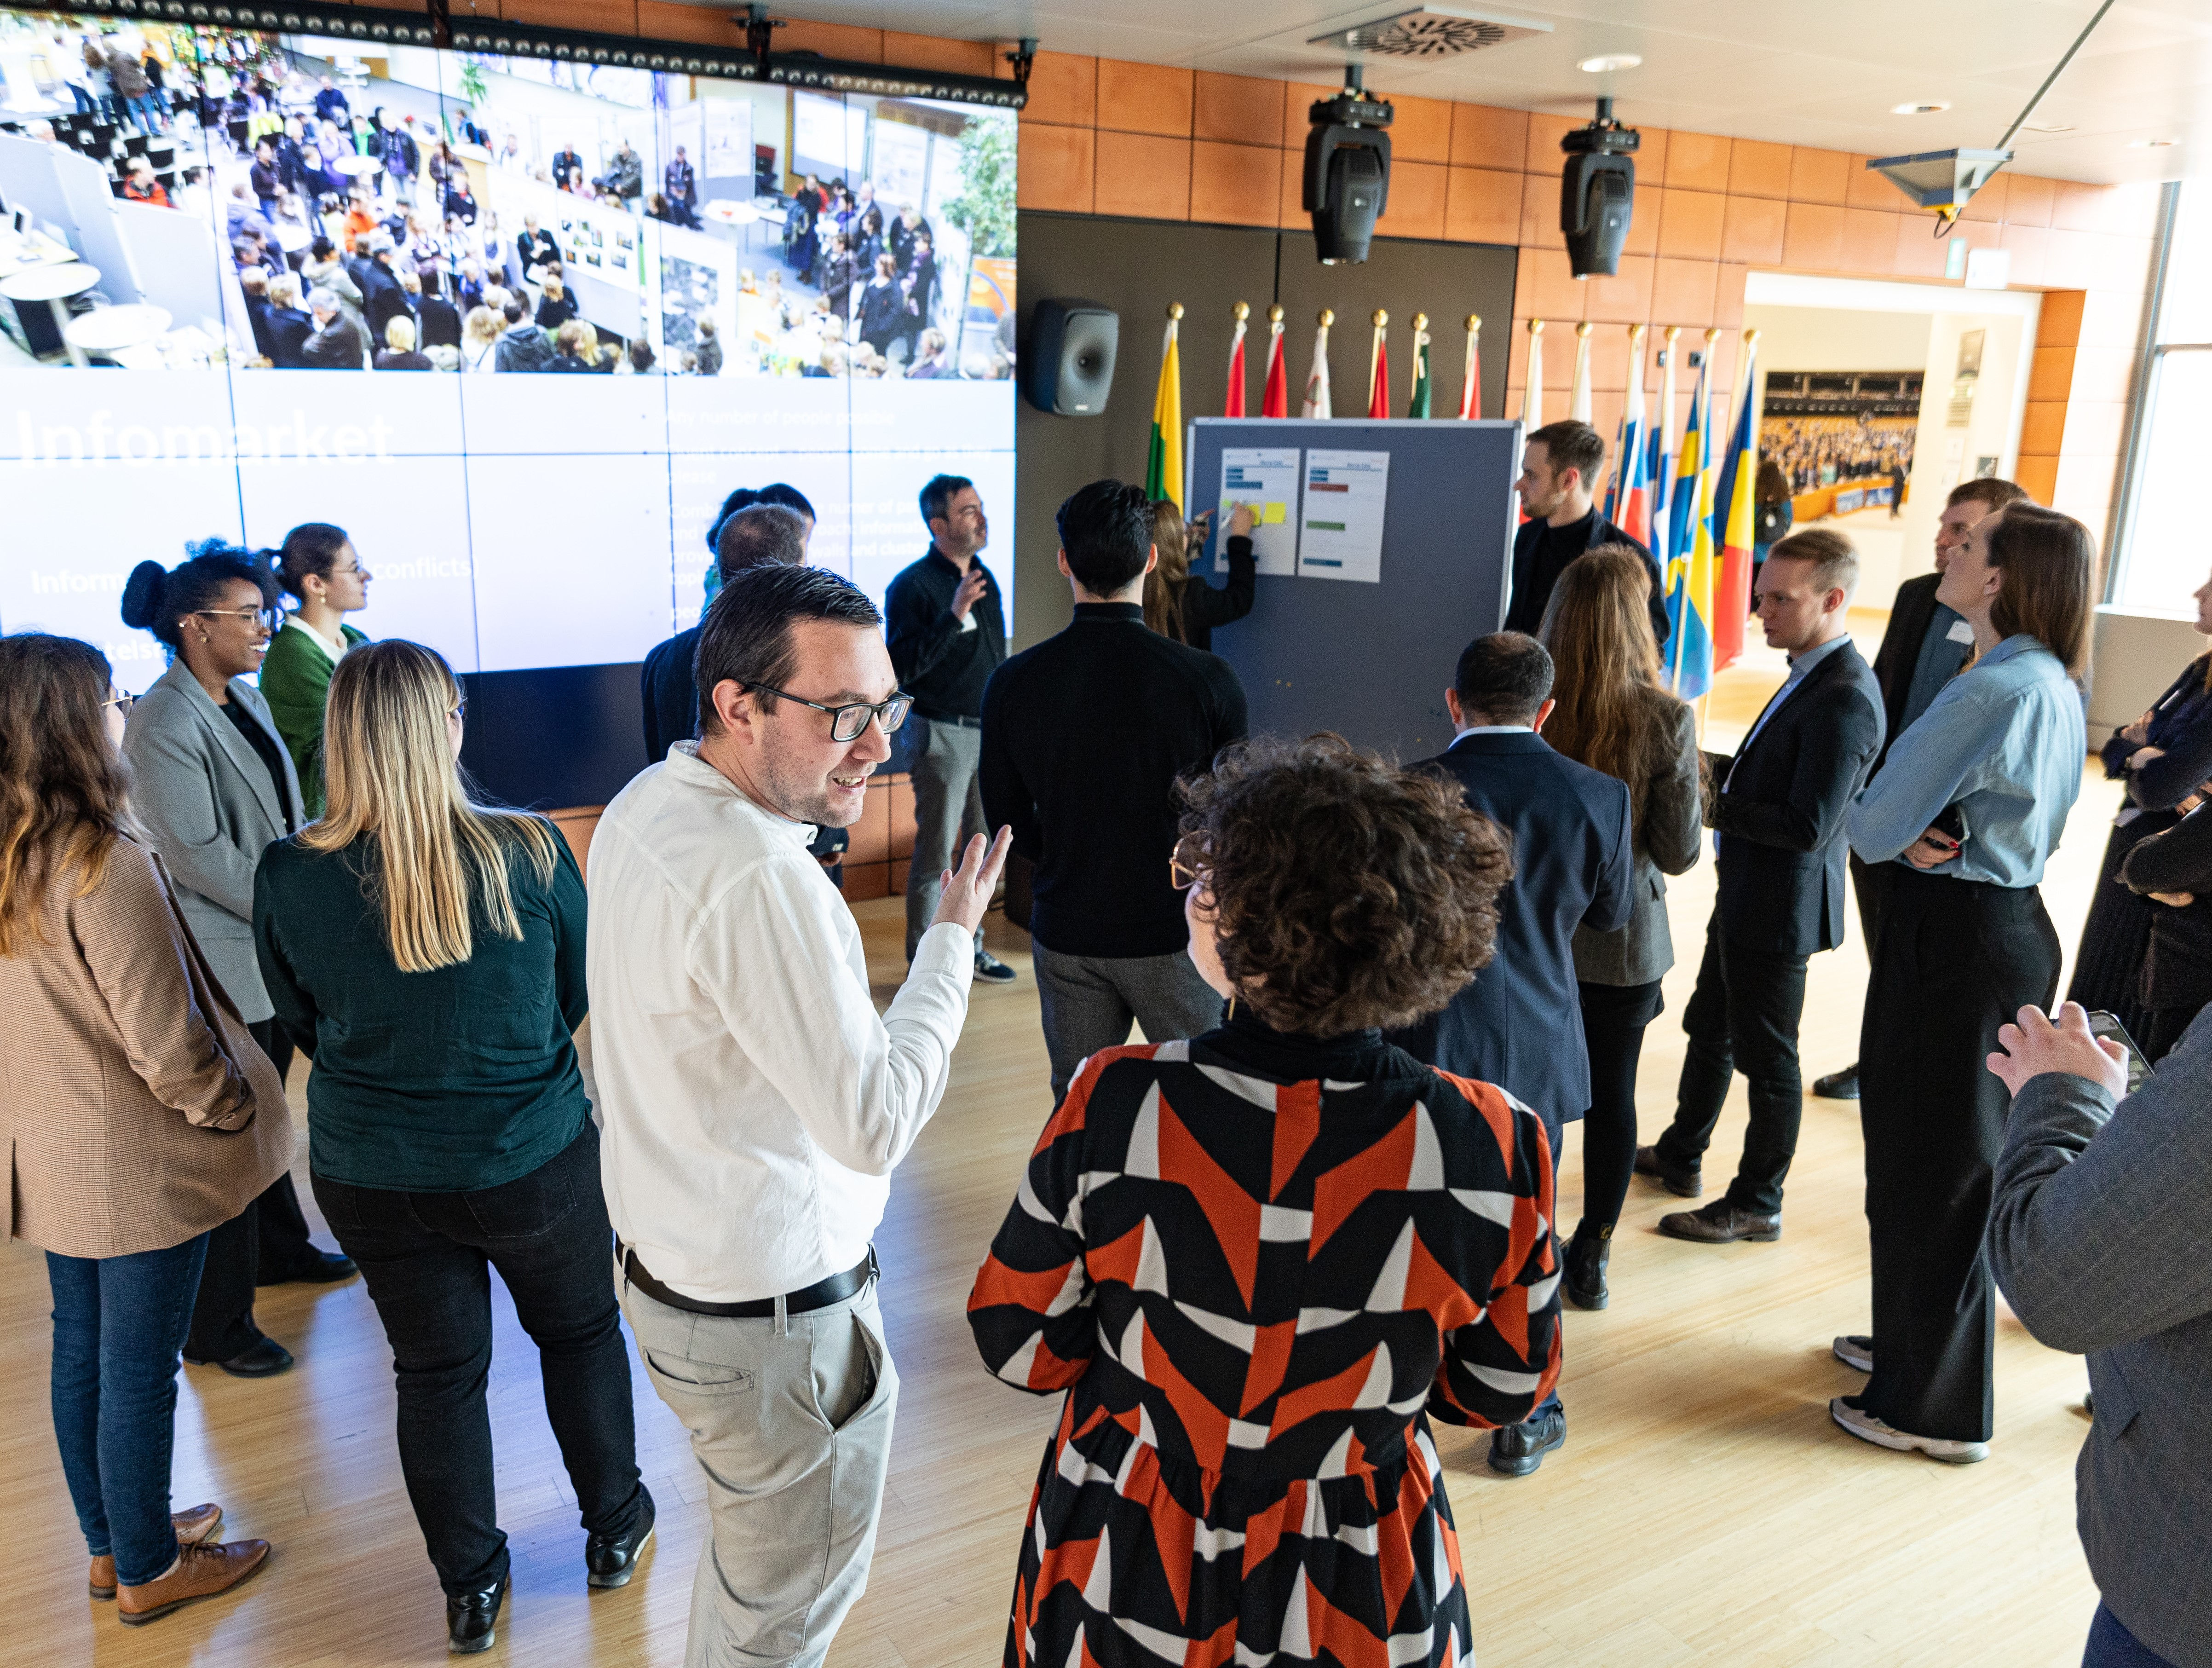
(1804, 72)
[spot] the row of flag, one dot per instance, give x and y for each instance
(1685, 498)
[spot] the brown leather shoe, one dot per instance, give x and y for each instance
(1720, 1223)
(1683, 1183)
(192, 1526)
(200, 1572)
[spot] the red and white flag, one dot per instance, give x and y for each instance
(1275, 400)
(1233, 405)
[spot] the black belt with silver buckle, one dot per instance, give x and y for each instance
(820, 1295)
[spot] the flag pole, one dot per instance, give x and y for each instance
(1233, 403)
(1532, 397)
(1578, 398)
(1274, 398)
(1378, 366)
(1420, 341)
(1470, 391)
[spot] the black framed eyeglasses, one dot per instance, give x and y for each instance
(846, 723)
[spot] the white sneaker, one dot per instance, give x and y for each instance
(1856, 1350)
(1867, 1428)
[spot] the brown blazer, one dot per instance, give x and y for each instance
(135, 1108)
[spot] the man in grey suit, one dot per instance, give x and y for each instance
(2097, 1240)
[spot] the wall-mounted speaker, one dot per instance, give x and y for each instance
(1067, 369)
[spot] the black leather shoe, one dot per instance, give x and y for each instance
(1582, 1273)
(1839, 1085)
(264, 1359)
(610, 1560)
(1518, 1450)
(991, 969)
(1684, 1184)
(1721, 1223)
(472, 1619)
(318, 1267)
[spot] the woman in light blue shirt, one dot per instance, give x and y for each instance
(1965, 813)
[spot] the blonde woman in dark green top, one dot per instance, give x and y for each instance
(430, 951)
(317, 565)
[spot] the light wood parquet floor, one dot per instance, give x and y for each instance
(1704, 1510)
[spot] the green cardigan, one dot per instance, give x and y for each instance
(295, 681)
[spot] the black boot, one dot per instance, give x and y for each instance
(1584, 1275)
(472, 1619)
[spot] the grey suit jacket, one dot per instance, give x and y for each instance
(1666, 843)
(2097, 1237)
(205, 801)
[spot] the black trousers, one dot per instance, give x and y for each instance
(1742, 1017)
(263, 1245)
(427, 1259)
(1955, 960)
(1613, 1019)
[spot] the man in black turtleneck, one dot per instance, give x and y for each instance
(1561, 464)
(1083, 738)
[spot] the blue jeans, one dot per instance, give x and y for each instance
(2111, 1645)
(118, 1324)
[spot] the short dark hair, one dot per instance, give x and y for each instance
(2049, 559)
(1505, 676)
(742, 497)
(1572, 445)
(777, 492)
(512, 311)
(1106, 528)
(761, 536)
(937, 495)
(1988, 491)
(1347, 893)
(155, 599)
(747, 636)
(310, 549)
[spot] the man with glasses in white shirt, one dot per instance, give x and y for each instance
(755, 1104)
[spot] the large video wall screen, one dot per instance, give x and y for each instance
(619, 294)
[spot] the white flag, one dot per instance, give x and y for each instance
(1578, 400)
(1532, 397)
(1316, 402)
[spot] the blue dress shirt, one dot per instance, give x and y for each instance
(2004, 741)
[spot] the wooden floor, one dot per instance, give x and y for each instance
(1704, 1510)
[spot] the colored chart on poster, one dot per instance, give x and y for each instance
(1267, 478)
(1340, 521)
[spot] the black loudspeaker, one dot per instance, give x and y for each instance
(1067, 369)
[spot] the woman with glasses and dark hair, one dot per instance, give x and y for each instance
(1258, 1262)
(138, 1112)
(318, 566)
(212, 786)
(1963, 816)
(430, 950)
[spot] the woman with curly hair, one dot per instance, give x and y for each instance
(1257, 1261)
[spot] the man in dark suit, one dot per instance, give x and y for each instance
(1779, 808)
(1561, 464)
(1519, 1025)
(1922, 649)
(382, 297)
(335, 345)
(568, 168)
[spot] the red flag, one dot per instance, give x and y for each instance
(1233, 405)
(1378, 380)
(1470, 391)
(1275, 402)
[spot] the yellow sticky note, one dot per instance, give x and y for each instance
(1274, 513)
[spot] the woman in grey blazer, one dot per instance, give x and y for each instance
(1614, 715)
(212, 786)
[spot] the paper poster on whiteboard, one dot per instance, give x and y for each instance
(729, 148)
(1341, 521)
(1267, 478)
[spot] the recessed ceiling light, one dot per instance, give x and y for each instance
(1918, 109)
(1606, 61)
(2151, 144)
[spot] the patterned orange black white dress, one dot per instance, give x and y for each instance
(1256, 1263)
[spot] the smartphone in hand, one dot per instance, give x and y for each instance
(2103, 1024)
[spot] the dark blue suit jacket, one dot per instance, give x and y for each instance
(1519, 1024)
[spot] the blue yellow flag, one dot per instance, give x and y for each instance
(1737, 518)
(1690, 573)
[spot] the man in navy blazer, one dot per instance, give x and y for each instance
(1779, 808)
(1519, 1025)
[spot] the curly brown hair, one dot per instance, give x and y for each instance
(1346, 892)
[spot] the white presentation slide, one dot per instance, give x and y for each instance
(1267, 478)
(1340, 530)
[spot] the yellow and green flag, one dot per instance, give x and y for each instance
(1163, 463)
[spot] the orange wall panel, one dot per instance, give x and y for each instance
(954, 57)
(1145, 98)
(1756, 170)
(1486, 137)
(1236, 184)
(1058, 168)
(1416, 205)
(1241, 110)
(1753, 231)
(1689, 229)
(1482, 205)
(1144, 175)
(1698, 162)
(1063, 89)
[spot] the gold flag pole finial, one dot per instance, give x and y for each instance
(1175, 309)
(1420, 322)
(1673, 331)
(1381, 318)
(1712, 336)
(1751, 338)
(1535, 326)
(1275, 313)
(1243, 311)
(1474, 322)
(1584, 328)
(1325, 317)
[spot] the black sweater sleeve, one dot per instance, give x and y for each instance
(1204, 607)
(2179, 860)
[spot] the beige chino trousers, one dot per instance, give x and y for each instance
(791, 1420)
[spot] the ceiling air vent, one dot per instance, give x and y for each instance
(1428, 32)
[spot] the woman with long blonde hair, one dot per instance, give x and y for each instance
(1614, 715)
(430, 951)
(140, 1112)
(1179, 605)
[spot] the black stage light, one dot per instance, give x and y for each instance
(1347, 181)
(1597, 192)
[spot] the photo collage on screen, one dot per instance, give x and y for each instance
(616, 296)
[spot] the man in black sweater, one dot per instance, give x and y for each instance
(1083, 738)
(1561, 464)
(947, 627)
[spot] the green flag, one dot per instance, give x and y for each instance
(1419, 406)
